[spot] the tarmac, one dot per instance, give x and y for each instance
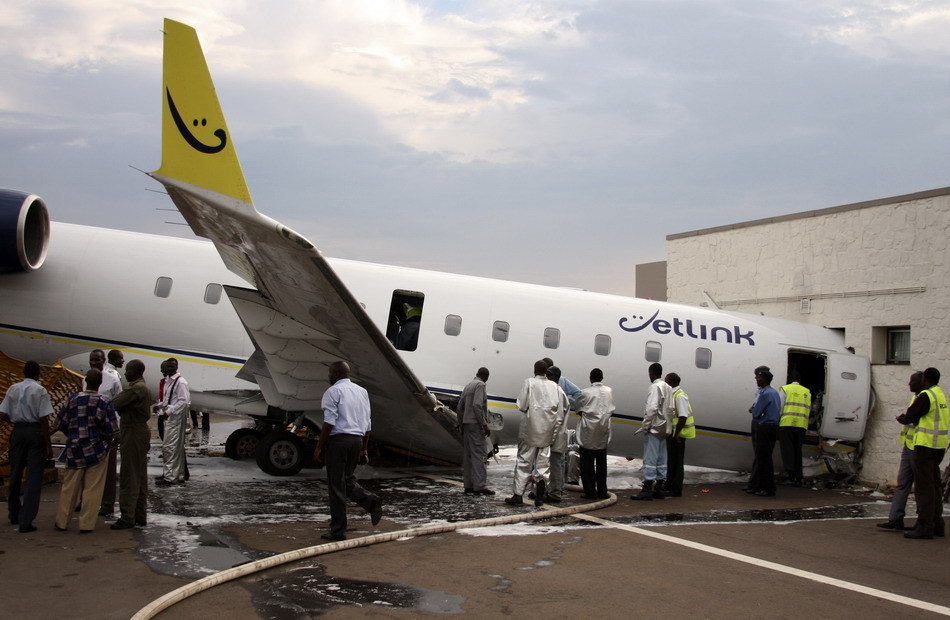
(716, 552)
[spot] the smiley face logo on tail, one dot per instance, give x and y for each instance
(194, 142)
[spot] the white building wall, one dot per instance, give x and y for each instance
(863, 266)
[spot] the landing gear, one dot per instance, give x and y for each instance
(242, 443)
(281, 453)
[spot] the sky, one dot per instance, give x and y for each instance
(554, 142)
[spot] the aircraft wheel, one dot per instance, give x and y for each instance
(281, 454)
(242, 444)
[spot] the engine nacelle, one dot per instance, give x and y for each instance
(24, 231)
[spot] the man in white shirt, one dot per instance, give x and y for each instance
(343, 443)
(595, 405)
(542, 407)
(174, 401)
(657, 422)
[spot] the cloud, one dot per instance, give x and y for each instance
(477, 136)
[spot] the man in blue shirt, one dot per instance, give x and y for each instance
(343, 443)
(766, 412)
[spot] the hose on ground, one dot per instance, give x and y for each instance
(206, 583)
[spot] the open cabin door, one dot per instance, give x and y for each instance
(847, 397)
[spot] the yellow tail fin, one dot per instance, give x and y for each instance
(196, 145)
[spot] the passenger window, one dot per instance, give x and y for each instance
(703, 357)
(453, 325)
(653, 351)
(602, 344)
(213, 293)
(499, 331)
(405, 319)
(163, 287)
(552, 337)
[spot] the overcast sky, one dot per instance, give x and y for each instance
(555, 142)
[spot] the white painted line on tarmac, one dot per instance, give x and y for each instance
(781, 568)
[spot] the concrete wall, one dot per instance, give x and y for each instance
(860, 267)
(651, 281)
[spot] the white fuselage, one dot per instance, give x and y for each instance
(98, 287)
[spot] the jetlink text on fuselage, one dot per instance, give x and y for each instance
(663, 327)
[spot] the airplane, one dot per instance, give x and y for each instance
(413, 337)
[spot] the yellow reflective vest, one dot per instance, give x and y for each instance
(797, 406)
(908, 430)
(932, 428)
(689, 429)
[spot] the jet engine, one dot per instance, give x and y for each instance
(24, 231)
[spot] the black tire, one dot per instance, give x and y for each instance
(281, 454)
(242, 444)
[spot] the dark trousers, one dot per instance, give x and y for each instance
(27, 453)
(594, 472)
(790, 441)
(133, 474)
(112, 477)
(342, 456)
(927, 490)
(763, 469)
(675, 465)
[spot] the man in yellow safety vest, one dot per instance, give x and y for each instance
(796, 407)
(929, 413)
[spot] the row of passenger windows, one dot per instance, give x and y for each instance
(405, 318)
(551, 339)
(163, 288)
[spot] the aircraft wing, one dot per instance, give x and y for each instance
(300, 316)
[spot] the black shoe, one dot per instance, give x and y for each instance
(539, 492)
(588, 497)
(552, 499)
(765, 493)
(514, 500)
(14, 521)
(161, 482)
(376, 511)
(469, 491)
(105, 512)
(121, 525)
(914, 534)
(484, 492)
(140, 524)
(85, 531)
(749, 491)
(892, 525)
(331, 536)
(644, 495)
(27, 529)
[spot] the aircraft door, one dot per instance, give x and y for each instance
(847, 397)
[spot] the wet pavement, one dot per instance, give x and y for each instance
(231, 513)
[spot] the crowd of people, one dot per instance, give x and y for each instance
(105, 414)
(108, 413)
